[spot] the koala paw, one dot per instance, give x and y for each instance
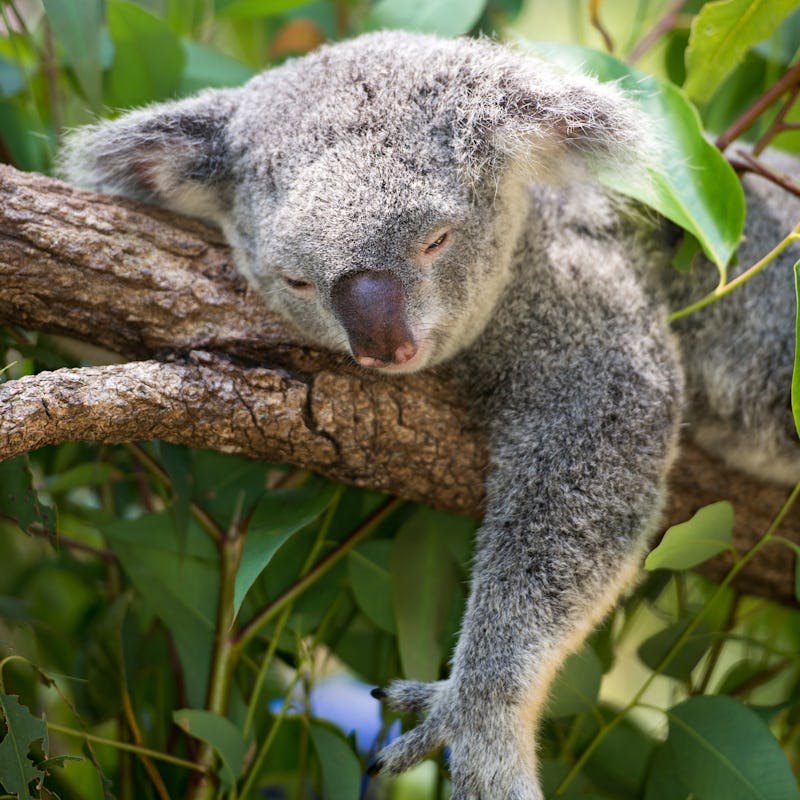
(491, 749)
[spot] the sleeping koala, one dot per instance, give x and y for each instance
(415, 201)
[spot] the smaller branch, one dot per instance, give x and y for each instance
(750, 164)
(788, 81)
(128, 748)
(594, 17)
(666, 23)
(778, 125)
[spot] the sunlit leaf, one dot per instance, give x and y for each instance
(708, 532)
(444, 17)
(692, 183)
(722, 32)
(256, 8)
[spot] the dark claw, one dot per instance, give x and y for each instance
(379, 694)
(374, 765)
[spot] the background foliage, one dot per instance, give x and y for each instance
(165, 612)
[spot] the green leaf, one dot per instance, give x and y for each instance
(221, 734)
(256, 8)
(443, 17)
(148, 57)
(341, 772)
(664, 778)
(91, 474)
(720, 36)
(424, 580)
(206, 67)
(280, 515)
(577, 684)
(368, 568)
(180, 586)
(692, 183)
(12, 80)
(726, 752)
(708, 532)
(22, 730)
(19, 498)
(654, 649)
(76, 26)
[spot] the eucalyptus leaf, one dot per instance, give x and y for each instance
(577, 684)
(654, 649)
(796, 371)
(148, 57)
(22, 730)
(76, 25)
(691, 182)
(726, 752)
(256, 8)
(722, 32)
(341, 771)
(207, 67)
(424, 580)
(221, 734)
(371, 582)
(180, 584)
(279, 515)
(708, 532)
(443, 17)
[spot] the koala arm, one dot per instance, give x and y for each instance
(582, 425)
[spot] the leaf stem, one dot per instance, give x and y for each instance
(129, 748)
(726, 288)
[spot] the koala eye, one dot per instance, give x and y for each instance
(301, 287)
(438, 243)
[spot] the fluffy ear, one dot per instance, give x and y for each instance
(174, 154)
(524, 114)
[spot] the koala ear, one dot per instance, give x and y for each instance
(526, 115)
(174, 154)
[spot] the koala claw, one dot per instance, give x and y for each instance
(489, 760)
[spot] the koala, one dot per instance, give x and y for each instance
(414, 201)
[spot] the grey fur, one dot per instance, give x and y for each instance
(549, 301)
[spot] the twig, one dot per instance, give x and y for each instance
(788, 81)
(594, 17)
(666, 23)
(750, 164)
(778, 125)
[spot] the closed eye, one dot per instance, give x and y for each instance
(438, 243)
(300, 286)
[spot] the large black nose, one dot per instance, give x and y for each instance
(371, 307)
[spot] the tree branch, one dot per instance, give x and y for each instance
(215, 369)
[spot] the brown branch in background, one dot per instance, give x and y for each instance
(778, 125)
(669, 21)
(787, 82)
(594, 17)
(750, 164)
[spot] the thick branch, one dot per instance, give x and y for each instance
(152, 285)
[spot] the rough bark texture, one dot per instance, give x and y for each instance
(213, 368)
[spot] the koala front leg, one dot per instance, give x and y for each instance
(579, 459)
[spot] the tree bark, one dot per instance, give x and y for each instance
(210, 366)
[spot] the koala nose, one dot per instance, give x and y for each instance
(371, 307)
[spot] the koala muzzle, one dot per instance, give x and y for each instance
(371, 306)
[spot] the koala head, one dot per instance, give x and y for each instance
(373, 191)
